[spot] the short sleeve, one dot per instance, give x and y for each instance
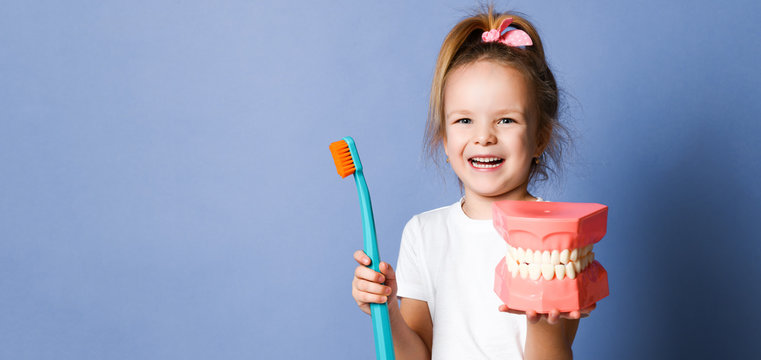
(411, 277)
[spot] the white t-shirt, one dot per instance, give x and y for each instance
(448, 259)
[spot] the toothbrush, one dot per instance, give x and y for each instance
(347, 162)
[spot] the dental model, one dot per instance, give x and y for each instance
(549, 262)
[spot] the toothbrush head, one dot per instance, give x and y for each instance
(345, 156)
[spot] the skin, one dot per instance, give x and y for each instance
(487, 113)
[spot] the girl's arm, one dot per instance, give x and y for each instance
(412, 329)
(550, 336)
(550, 341)
(411, 324)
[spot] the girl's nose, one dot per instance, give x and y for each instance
(485, 136)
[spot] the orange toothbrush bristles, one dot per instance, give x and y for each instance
(342, 158)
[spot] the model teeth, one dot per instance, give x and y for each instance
(548, 264)
(563, 256)
(570, 270)
(534, 271)
(521, 254)
(513, 267)
(555, 257)
(560, 271)
(548, 271)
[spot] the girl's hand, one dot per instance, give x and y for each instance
(370, 286)
(553, 316)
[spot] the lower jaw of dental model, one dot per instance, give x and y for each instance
(560, 273)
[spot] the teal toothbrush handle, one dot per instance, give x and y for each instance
(384, 346)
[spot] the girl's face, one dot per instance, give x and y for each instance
(490, 131)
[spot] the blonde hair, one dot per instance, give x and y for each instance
(463, 45)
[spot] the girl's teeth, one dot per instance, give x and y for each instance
(485, 166)
(485, 163)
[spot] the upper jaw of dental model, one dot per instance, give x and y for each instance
(548, 264)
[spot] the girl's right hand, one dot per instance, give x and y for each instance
(370, 286)
(553, 316)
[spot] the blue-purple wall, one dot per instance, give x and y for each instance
(166, 189)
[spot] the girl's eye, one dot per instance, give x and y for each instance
(464, 121)
(505, 121)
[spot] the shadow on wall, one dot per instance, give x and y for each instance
(697, 232)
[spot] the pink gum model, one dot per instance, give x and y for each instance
(549, 263)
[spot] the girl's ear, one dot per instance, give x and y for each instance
(542, 139)
(444, 144)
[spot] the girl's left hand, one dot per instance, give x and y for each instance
(553, 316)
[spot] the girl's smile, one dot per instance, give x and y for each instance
(490, 133)
(486, 162)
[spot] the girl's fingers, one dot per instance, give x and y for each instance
(367, 285)
(589, 309)
(504, 308)
(373, 288)
(585, 312)
(532, 316)
(368, 274)
(573, 315)
(387, 270)
(365, 297)
(553, 316)
(362, 258)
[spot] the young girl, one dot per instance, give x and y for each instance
(494, 105)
